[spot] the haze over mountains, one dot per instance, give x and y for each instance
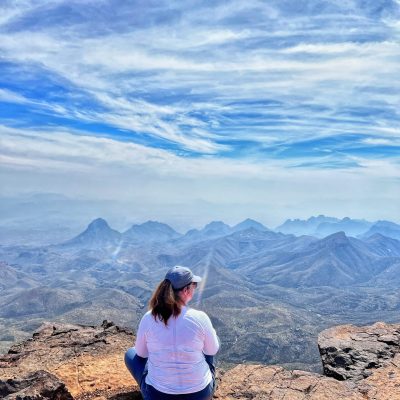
(319, 227)
(322, 226)
(271, 288)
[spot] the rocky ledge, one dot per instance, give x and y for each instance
(369, 356)
(37, 385)
(354, 353)
(62, 362)
(87, 359)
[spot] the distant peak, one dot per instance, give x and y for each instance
(250, 223)
(99, 223)
(152, 223)
(337, 234)
(216, 224)
(376, 236)
(337, 238)
(320, 217)
(382, 223)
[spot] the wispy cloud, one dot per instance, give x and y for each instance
(92, 167)
(7, 96)
(288, 86)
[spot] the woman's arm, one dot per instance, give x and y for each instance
(141, 344)
(211, 341)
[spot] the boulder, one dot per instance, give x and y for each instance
(353, 352)
(87, 359)
(40, 385)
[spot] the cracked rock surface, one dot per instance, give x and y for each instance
(39, 385)
(90, 361)
(85, 358)
(276, 383)
(353, 353)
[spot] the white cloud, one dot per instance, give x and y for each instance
(379, 49)
(382, 141)
(191, 83)
(9, 96)
(169, 54)
(99, 61)
(76, 149)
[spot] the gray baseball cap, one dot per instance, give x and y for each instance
(181, 276)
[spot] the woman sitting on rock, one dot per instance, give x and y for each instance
(175, 345)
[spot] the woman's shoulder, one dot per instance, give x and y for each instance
(147, 316)
(197, 314)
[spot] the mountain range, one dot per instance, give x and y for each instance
(260, 285)
(322, 226)
(99, 233)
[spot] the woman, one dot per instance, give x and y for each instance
(175, 345)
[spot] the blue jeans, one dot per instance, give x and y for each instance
(137, 366)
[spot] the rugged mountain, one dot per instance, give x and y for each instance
(334, 261)
(87, 362)
(383, 245)
(385, 228)
(10, 277)
(39, 301)
(98, 235)
(80, 304)
(225, 250)
(212, 230)
(303, 227)
(259, 286)
(323, 226)
(352, 227)
(249, 223)
(150, 231)
(216, 228)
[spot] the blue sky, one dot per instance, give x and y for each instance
(268, 109)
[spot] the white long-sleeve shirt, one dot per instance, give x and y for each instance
(176, 363)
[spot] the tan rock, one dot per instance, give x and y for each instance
(354, 352)
(87, 359)
(384, 383)
(275, 383)
(39, 385)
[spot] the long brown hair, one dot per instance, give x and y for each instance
(165, 302)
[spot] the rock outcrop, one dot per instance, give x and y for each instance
(86, 358)
(275, 383)
(39, 385)
(360, 363)
(366, 355)
(353, 353)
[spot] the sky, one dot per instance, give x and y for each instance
(189, 111)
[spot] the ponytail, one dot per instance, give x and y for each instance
(165, 302)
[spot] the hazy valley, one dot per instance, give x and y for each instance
(269, 292)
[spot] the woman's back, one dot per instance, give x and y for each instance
(175, 351)
(173, 354)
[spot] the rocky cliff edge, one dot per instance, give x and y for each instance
(65, 362)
